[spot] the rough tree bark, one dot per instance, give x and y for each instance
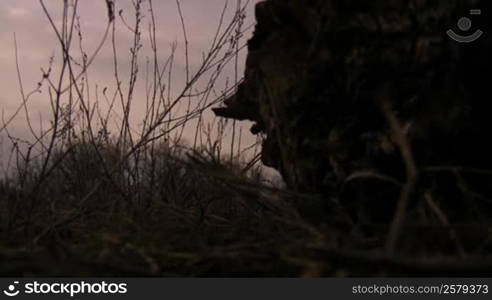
(324, 79)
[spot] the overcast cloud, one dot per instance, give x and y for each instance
(36, 44)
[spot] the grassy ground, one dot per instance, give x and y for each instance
(196, 216)
(190, 217)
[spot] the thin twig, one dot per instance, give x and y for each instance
(400, 139)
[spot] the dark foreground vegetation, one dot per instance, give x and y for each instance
(192, 214)
(181, 216)
(383, 155)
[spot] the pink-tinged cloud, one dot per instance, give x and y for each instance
(37, 43)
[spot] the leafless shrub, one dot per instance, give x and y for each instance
(98, 148)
